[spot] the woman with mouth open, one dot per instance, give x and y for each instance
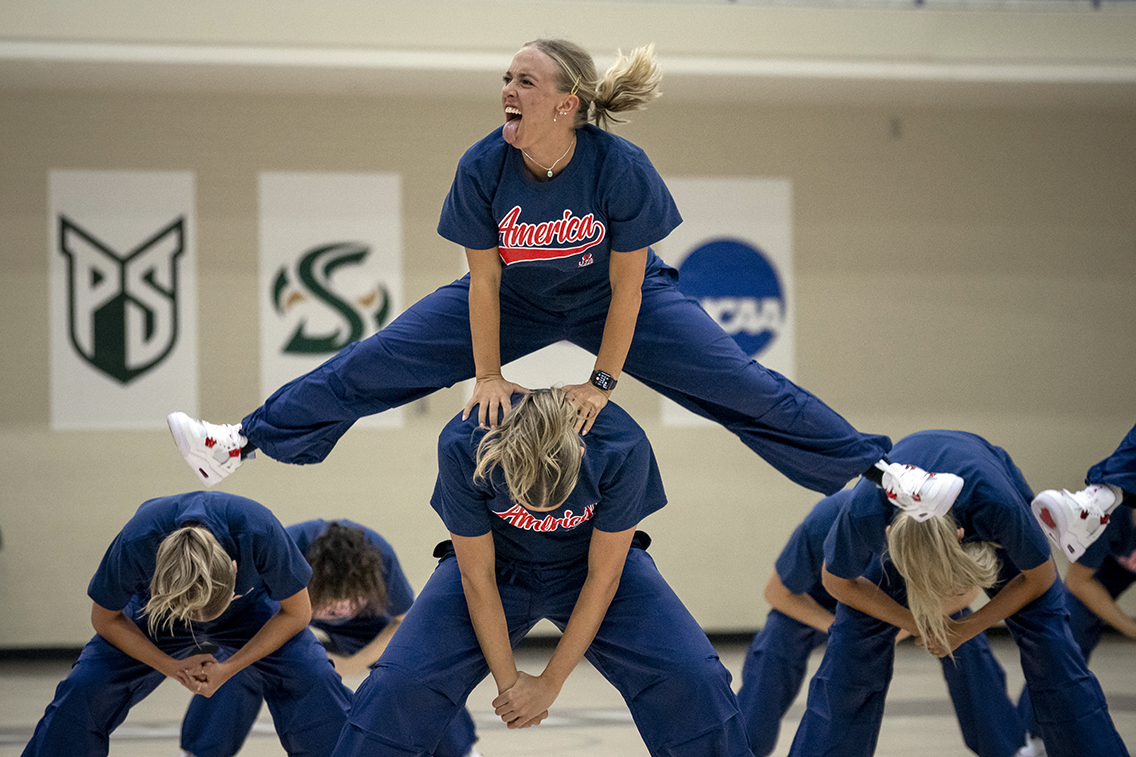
(557, 217)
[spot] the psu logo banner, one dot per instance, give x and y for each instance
(122, 255)
(122, 307)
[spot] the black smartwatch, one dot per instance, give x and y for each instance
(603, 380)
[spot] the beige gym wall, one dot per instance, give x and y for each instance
(961, 262)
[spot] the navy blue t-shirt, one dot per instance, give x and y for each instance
(619, 485)
(993, 506)
(268, 561)
(399, 594)
(1118, 542)
(555, 237)
(800, 562)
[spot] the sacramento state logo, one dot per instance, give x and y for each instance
(338, 318)
(122, 306)
(739, 287)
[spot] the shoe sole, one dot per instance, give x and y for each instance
(1053, 519)
(177, 423)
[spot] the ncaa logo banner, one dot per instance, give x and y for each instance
(330, 270)
(123, 297)
(733, 252)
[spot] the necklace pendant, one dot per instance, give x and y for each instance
(550, 173)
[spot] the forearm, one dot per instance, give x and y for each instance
(619, 328)
(1016, 594)
(485, 319)
(489, 624)
(272, 635)
(804, 609)
(121, 632)
(863, 595)
(583, 624)
(1092, 593)
(374, 649)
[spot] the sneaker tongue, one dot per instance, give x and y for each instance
(510, 130)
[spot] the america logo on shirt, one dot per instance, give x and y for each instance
(567, 236)
(523, 519)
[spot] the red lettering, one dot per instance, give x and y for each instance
(519, 242)
(521, 518)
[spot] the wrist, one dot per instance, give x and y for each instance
(506, 681)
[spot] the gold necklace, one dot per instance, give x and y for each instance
(549, 168)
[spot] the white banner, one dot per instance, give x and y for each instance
(734, 253)
(330, 269)
(121, 249)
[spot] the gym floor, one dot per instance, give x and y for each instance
(589, 719)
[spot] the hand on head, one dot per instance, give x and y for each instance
(492, 396)
(589, 401)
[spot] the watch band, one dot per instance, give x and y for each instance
(603, 380)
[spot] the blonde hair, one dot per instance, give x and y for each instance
(537, 449)
(630, 84)
(193, 579)
(937, 566)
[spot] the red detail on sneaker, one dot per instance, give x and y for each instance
(1104, 520)
(235, 452)
(915, 497)
(890, 494)
(210, 442)
(1047, 518)
(1084, 515)
(931, 475)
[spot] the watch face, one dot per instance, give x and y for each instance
(602, 380)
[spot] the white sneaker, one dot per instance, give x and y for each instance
(920, 493)
(213, 451)
(1074, 520)
(1034, 747)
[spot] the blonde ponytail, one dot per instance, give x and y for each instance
(936, 566)
(630, 84)
(537, 449)
(193, 579)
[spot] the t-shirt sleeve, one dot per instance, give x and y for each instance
(630, 491)
(638, 205)
(1002, 516)
(279, 561)
(800, 562)
(125, 570)
(461, 505)
(467, 212)
(857, 534)
(399, 594)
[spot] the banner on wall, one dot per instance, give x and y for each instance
(121, 249)
(734, 255)
(330, 269)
